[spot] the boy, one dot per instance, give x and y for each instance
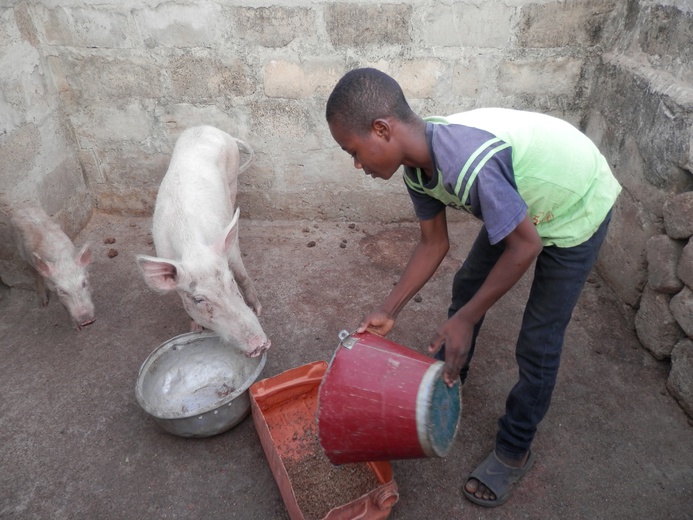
(543, 192)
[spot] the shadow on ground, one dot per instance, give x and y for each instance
(74, 444)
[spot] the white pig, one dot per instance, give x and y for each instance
(53, 261)
(195, 231)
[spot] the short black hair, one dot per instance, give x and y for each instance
(364, 95)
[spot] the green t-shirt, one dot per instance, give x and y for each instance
(503, 164)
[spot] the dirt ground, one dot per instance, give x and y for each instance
(74, 443)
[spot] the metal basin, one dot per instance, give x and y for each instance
(195, 385)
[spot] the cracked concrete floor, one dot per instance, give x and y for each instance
(74, 443)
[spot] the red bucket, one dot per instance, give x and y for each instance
(383, 401)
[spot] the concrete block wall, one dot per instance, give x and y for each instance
(129, 76)
(38, 157)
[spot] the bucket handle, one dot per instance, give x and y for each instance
(346, 339)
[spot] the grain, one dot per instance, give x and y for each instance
(319, 485)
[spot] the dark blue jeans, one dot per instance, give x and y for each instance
(559, 276)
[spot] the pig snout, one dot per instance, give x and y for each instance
(86, 322)
(83, 322)
(82, 317)
(260, 345)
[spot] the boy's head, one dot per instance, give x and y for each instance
(362, 112)
(364, 95)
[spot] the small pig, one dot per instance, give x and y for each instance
(195, 232)
(53, 261)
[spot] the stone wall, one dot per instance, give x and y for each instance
(664, 320)
(641, 115)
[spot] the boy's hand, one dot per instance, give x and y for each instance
(456, 334)
(378, 322)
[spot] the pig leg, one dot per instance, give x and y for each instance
(243, 280)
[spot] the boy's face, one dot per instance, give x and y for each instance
(375, 153)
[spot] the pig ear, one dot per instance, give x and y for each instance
(83, 258)
(44, 268)
(161, 275)
(228, 238)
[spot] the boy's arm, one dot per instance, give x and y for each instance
(429, 252)
(522, 246)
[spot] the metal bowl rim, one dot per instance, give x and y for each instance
(184, 339)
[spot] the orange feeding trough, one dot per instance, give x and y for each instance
(284, 412)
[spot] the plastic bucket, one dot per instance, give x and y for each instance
(382, 401)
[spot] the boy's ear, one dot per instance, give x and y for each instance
(382, 128)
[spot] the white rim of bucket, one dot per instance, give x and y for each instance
(423, 403)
